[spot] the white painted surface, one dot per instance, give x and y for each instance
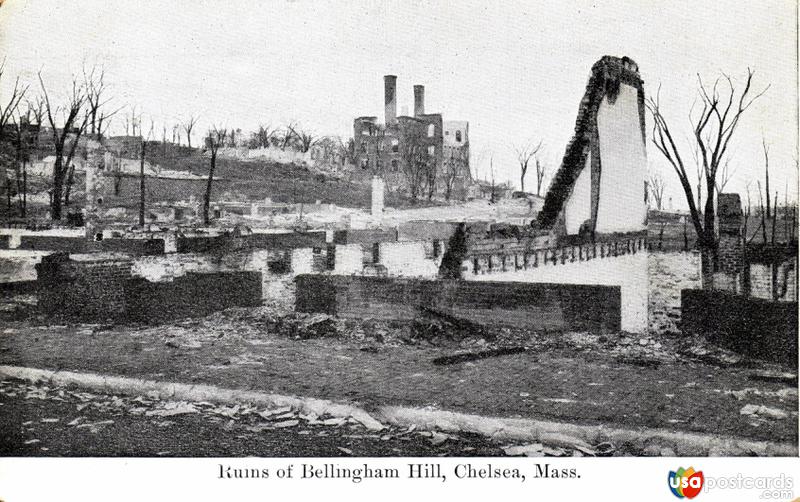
(627, 271)
(578, 207)
(624, 164)
(302, 261)
(349, 259)
(407, 259)
(19, 264)
(378, 188)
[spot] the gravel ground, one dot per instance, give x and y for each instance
(40, 420)
(612, 379)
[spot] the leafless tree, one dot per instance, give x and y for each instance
(7, 111)
(416, 161)
(214, 139)
(97, 100)
(26, 141)
(285, 136)
(188, 125)
(304, 139)
(713, 129)
(262, 137)
(455, 166)
(524, 155)
(656, 187)
(766, 174)
(67, 122)
(541, 171)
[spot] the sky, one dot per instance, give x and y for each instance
(516, 71)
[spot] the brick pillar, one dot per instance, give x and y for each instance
(731, 257)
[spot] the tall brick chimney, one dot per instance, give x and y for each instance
(419, 100)
(390, 98)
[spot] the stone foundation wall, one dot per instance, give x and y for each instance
(668, 274)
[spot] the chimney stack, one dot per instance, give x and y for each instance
(390, 98)
(419, 100)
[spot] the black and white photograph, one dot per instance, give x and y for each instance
(380, 229)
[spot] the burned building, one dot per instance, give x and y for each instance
(422, 155)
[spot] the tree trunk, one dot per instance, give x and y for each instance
(24, 190)
(58, 186)
(141, 186)
(522, 182)
(207, 197)
(70, 182)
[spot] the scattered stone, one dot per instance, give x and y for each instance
(344, 450)
(438, 438)
(761, 410)
(287, 423)
(528, 450)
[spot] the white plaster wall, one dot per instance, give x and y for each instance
(407, 259)
(578, 207)
(627, 271)
(349, 259)
(624, 164)
(302, 261)
(19, 264)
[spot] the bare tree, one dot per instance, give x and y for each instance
(26, 141)
(713, 129)
(7, 111)
(541, 171)
(524, 155)
(766, 174)
(656, 187)
(71, 125)
(214, 139)
(285, 137)
(416, 161)
(347, 151)
(305, 139)
(455, 165)
(188, 125)
(97, 99)
(262, 137)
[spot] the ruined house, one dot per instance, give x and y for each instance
(382, 148)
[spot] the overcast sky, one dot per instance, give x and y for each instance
(515, 71)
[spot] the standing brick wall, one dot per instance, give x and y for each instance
(81, 245)
(757, 328)
(551, 307)
(192, 295)
(92, 289)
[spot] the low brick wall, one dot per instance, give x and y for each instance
(275, 241)
(551, 307)
(199, 244)
(757, 328)
(80, 245)
(192, 295)
(94, 288)
(426, 230)
(367, 236)
(288, 240)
